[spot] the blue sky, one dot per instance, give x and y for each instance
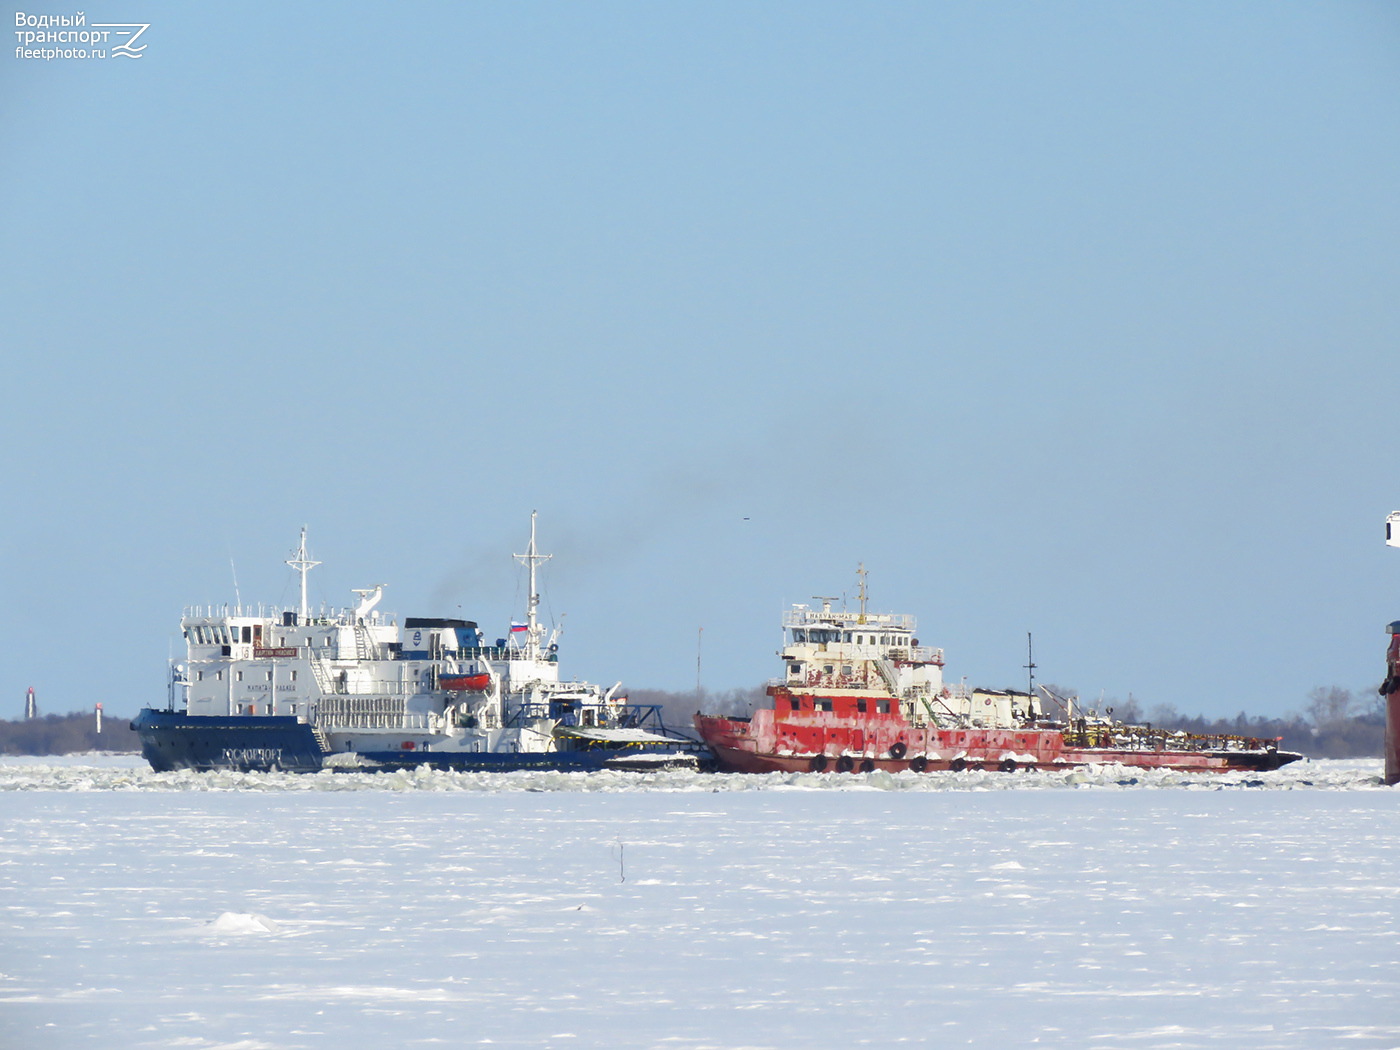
(1078, 319)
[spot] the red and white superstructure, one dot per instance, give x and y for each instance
(860, 693)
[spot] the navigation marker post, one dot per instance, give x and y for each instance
(1390, 688)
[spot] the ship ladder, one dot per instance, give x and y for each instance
(320, 735)
(887, 672)
(323, 679)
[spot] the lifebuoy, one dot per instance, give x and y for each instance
(958, 765)
(1007, 765)
(817, 764)
(898, 750)
(867, 765)
(918, 763)
(845, 764)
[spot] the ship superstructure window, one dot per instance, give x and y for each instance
(219, 675)
(294, 676)
(240, 676)
(247, 634)
(199, 676)
(269, 676)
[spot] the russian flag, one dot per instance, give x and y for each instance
(516, 628)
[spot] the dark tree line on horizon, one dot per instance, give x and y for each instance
(66, 735)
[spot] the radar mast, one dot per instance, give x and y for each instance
(302, 564)
(530, 559)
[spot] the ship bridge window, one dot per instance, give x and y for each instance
(846, 637)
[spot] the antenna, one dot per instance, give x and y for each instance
(1030, 666)
(863, 595)
(531, 558)
(826, 603)
(699, 644)
(302, 563)
(237, 600)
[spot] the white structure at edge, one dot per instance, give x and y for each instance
(367, 683)
(834, 652)
(1392, 529)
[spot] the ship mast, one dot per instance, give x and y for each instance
(862, 574)
(302, 563)
(530, 559)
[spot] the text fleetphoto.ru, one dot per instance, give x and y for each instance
(49, 37)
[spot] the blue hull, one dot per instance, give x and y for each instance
(172, 740)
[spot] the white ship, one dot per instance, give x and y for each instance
(289, 689)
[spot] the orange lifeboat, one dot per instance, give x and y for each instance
(465, 683)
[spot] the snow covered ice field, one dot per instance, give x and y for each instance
(420, 909)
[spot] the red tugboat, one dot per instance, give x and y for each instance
(860, 694)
